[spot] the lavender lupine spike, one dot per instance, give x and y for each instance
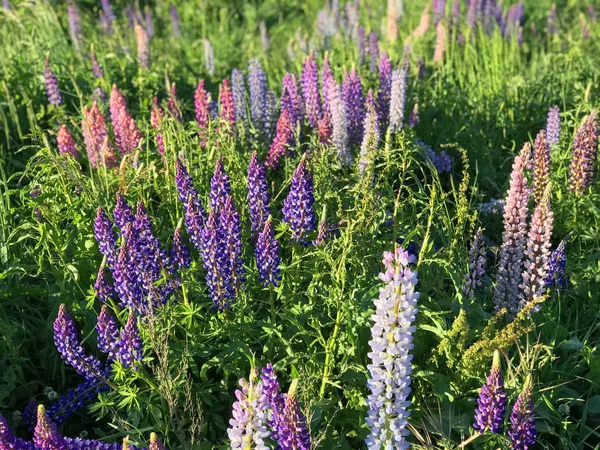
(96, 69)
(104, 291)
(292, 433)
(175, 23)
(227, 113)
(371, 136)
(556, 267)
(537, 252)
(511, 261)
(439, 10)
(267, 256)
(257, 79)
(65, 142)
(385, 91)
(283, 138)
(143, 47)
(291, 99)
(298, 210)
(491, 404)
(220, 187)
(373, 51)
(523, 432)
(108, 11)
(180, 255)
(70, 349)
(129, 345)
(553, 126)
(541, 165)
(130, 16)
(54, 95)
(214, 259)
(74, 23)
(108, 334)
(258, 194)
(270, 114)
(128, 279)
(310, 90)
(148, 22)
(339, 121)
(99, 148)
(391, 342)
(201, 104)
(584, 155)
(398, 99)
(247, 427)
(127, 133)
(46, 435)
(232, 236)
(105, 236)
(238, 87)
(477, 263)
(353, 99)
(209, 56)
(72, 402)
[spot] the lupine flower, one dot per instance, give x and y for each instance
(99, 148)
(70, 349)
(108, 334)
(477, 263)
(328, 85)
(553, 126)
(491, 404)
(54, 95)
(143, 47)
(103, 289)
(298, 210)
(175, 21)
(523, 433)
(29, 416)
(129, 345)
(74, 400)
(361, 45)
(257, 79)
(514, 235)
(556, 267)
(353, 99)
(66, 144)
(373, 51)
(291, 99)
(493, 206)
(339, 122)
(293, 432)
(128, 279)
(209, 56)
(130, 16)
(440, 42)
(99, 95)
(258, 194)
(371, 136)
(325, 129)
(424, 23)
(283, 138)
(74, 23)
(6, 5)
(201, 104)
(9, 441)
(180, 255)
(442, 162)
(274, 399)
(156, 117)
(46, 435)
(584, 155)
(96, 69)
(220, 187)
(267, 256)
(195, 218)
(385, 91)
(148, 22)
(123, 213)
(247, 427)
(398, 99)
(127, 133)
(155, 443)
(105, 236)
(227, 113)
(108, 11)
(105, 23)
(238, 87)
(537, 252)
(439, 10)
(391, 342)
(541, 165)
(185, 186)
(232, 235)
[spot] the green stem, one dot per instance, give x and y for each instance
(272, 298)
(329, 351)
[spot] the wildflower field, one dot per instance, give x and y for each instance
(299, 224)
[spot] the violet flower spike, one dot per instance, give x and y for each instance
(556, 267)
(258, 194)
(267, 256)
(477, 263)
(298, 210)
(129, 345)
(523, 432)
(257, 79)
(215, 261)
(238, 86)
(310, 90)
(180, 255)
(398, 99)
(104, 291)
(52, 90)
(46, 435)
(72, 402)
(373, 51)
(371, 137)
(105, 236)
(553, 126)
(108, 334)
(232, 235)
(74, 21)
(353, 100)
(175, 22)
(584, 155)
(291, 100)
(491, 403)
(385, 91)
(293, 432)
(339, 121)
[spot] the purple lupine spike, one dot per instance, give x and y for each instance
(143, 47)
(238, 87)
(155, 443)
(537, 252)
(73, 401)
(258, 194)
(325, 129)
(185, 187)
(123, 213)
(491, 403)
(108, 11)
(291, 99)
(274, 399)
(128, 280)
(108, 334)
(70, 349)
(442, 162)
(180, 255)
(66, 144)
(209, 56)
(541, 165)
(385, 91)
(127, 133)
(339, 122)
(477, 263)
(438, 8)
(472, 13)
(148, 22)
(508, 277)
(257, 79)
(371, 136)
(220, 187)
(201, 104)
(553, 126)
(105, 23)
(310, 90)
(353, 99)
(46, 435)
(195, 218)
(328, 84)
(99, 148)
(9, 441)
(232, 233)
(129, 345)
(398, 99)
(298, 210)
(227, 113)
(373, 51)
(156, 117)
(52, 90)
(361, 45)
(556, 267)
(293, 433)
(175, 22)
(270, 115)
(267, 256)
(523, 432)
(96, 69)
(173, 105)
(99, 95)
(29, 416)
(283, 138)
(130, 16)
(74, 21)
(6, 5)
(104, 291)
(584, 155)
(105, 236)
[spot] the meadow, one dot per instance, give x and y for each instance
(291, 224)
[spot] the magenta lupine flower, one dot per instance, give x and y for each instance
(325, 129)
(227, 113)
(66, 144)
(440, 42)
(537, 252)
(477, 263)
(129, 345)
(105, 236)
(238, 87)
(143, 47)
(46, 435)
(258, 194)
(291, 99)
(267, 256)
(371, 136)
(232, 235)
(584, 155)
(523, 433)
(156, 117)
(108, 333)
(71, 350)
(180, 255)
(390, 368)
(104, 291)
(175, 22)
(74, 23)
(96, 69)
(127, 133)
(491, 403)
(201, 104)
(54, 95)
(292, 433)
(298, 210)
(398, 99)
(385, 91)
(327, 84)
(310, 90)
(283, 138)
(353, 99)
(373, 51)
(339, 122)
(99, 148)
(247, 427)
(361, 45)
(541, 165)
(514, 235)
(553, 126)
